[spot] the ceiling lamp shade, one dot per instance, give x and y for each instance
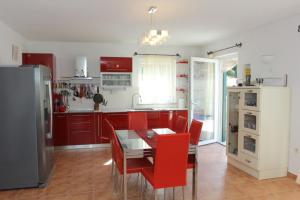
(154, 36)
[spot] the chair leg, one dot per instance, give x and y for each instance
(165, 193)
(173, 193)
(112, 169)
(155, 194)
(183, 190)
(141, 190)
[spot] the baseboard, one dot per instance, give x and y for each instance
(291, 175)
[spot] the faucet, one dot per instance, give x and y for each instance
(132, 100)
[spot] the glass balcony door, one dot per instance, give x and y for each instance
(204, 97)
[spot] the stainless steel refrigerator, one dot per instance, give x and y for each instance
(26, 147)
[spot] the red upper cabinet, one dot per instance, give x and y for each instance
(46, 59)
(115, 64)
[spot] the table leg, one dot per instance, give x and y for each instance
(125, 176)
(195, 176)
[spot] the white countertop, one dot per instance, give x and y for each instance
(112, 110)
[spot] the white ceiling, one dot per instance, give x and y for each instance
(190, 22)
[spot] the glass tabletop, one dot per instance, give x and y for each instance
(163, 131)
(130, 140)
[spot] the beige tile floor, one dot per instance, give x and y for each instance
(83, 175)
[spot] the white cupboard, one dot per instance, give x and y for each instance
(258, 130)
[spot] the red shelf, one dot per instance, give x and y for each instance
(184, 61)
(182, 76)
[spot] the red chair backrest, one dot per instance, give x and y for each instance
(181, 124)
(117, 152)
(137, 121)
(195, 131)
(109, 127)
(170, 160)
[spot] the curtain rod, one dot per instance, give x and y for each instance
(150, 54)
(236, 45)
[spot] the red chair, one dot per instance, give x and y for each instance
(181, 125)
(195, 133)
(170, 168)
(134, 165)
(137, 121)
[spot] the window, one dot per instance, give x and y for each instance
(157, 79)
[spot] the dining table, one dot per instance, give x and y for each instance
(142, 143)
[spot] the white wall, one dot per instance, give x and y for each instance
(282, 40)
(9, 37)
(66, 53)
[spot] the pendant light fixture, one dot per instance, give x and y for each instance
(154, 36)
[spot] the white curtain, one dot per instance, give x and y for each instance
(157, 79)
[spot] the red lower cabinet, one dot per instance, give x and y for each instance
(118, 120)
(82, 129)
(99, 138)
(90, 128)
(153, 119)
(166, 119)
(60, 130)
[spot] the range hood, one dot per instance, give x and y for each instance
(81, 67)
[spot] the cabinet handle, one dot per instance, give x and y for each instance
(250, 91)
(80, 115)
(60, 116)
(249, 113)
(248, 161)
(249, 136)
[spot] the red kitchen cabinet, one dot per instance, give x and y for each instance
(46, 59)
(118, 120)
(153, 119)
(60, 130)
(102, 136)
(177, 113)
(166, 119)
(82, 128)
(115, 64)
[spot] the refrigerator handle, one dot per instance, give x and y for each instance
(51, 109)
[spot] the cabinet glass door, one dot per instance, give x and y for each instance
(250, 121)
(251, 99)
(250, 144)
(233, 121)
(204, 97)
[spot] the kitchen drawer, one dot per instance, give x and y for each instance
(89, 126)
(80, 118)
(250, 121)
(248, 160)
(82, 137)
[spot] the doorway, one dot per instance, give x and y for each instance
(228, 68)
(204, 96)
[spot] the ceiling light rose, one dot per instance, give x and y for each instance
(154, 36)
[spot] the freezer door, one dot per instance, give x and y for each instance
(44, 133)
